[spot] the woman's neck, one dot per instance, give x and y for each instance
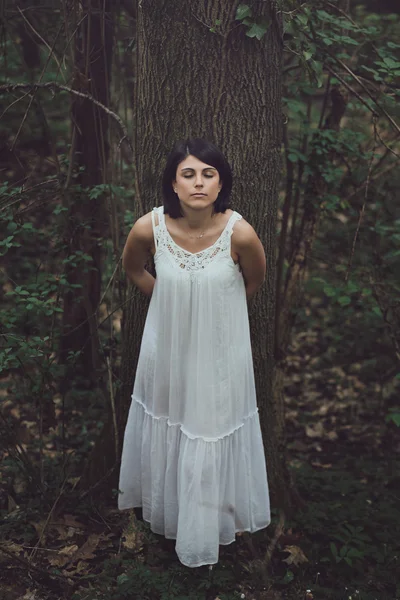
(198, 219)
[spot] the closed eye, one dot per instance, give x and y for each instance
(207, 175)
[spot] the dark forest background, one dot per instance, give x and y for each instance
(304, 100)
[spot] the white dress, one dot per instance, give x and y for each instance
(193, 455)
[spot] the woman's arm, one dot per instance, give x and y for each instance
(246, 243)
(136, 253)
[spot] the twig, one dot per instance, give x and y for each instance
(21, 457)
(366, 90)
(287, 204)
(52, 85)
(26, 190)
(12, 104)
(348, 87)
(387, 169)
(378, 135)
(72, 35)
(114, 415)
(356, 78)
(110, 281)
(346, 16)
(49, 517)
(30, 567)
(33, 95)
(362, 211)
(98, 306)
(42, 39)
(98, 483)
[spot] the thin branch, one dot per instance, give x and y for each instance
(387, 169)
(366, 90)
(52, 85)
(283, 233)
(42, 575)
(349, 88)
(98, 483)
(346, 16)
(114, 414)
(356, 78)
(98, 306)
(12, 104)
(362, 211)
(378, 135)
(325, 102)
(41, 39)
(33, 95)
(49, 516)
(25, 191)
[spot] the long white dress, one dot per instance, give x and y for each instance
(193, 456)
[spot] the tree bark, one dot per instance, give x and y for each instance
(87, 219)
(226, 87)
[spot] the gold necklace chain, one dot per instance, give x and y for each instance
(196, 237)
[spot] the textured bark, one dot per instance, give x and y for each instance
(87, 222)
(225, 87)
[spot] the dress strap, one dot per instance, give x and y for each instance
(231, 222)
(157, 214)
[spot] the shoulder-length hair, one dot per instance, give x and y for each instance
(207, 153)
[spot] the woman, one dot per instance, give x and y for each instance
(193, 456)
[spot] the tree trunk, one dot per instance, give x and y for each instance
(87, 219)
(226, 87)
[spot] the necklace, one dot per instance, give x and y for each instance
(197, 237)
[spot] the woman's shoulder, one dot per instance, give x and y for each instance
(243, 233)
(143, 228)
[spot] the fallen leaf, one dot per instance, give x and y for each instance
(12, 547)
(19, 485)
(63, 556)
(85, 552)
(133, 539)
(12, 505)
(296, 556)
(28, 595)
(315, 431)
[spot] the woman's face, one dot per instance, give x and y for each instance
(197, 184)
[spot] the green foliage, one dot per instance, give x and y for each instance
(255, 27)
(393, 417)
(354, 525)
(127, 578)
(356, 258)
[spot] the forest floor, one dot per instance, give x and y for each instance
(343, 543)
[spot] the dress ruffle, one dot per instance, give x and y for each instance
(200, 492)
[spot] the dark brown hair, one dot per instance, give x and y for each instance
(207, 153)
